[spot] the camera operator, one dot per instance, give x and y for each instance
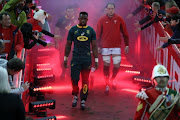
(29, 34)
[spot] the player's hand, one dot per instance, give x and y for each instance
(96, 65)
(164, 39)
(65, 64)
(42, 38)
(50, 44)
(137, 24)
(138, 29)
(26, 86)
(159, 48)
(126, 50)
(129, 16)
(58, 37)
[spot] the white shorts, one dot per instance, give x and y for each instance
(111, 51)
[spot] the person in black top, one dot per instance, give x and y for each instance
(2, 47)
(12, 107)
(82, 36)
(176, 33)
(29, 34)
(62, 27)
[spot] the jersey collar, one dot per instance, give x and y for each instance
(82, 26)
(68, 17)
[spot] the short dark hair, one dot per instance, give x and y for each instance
(4, 13)
(110, 4)
(69, 7)
(83, 13)
(15, 64)
(28, 1)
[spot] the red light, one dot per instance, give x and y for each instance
(142, 80)
(46, 49)
(134, 72)
(45, 64)
(42, 88)
(130, 90)
(124, 65)
(47, 76)
(44, 69)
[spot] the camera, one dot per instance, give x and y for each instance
(35, 33)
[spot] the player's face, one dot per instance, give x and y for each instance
(21, 4)
(6, 21)
(83, 20)
(110, 10)
(70, 13)
(174, 22)
(162, 81)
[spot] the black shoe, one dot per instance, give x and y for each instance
(74, 102)
(83, 105)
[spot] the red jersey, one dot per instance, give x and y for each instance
(143, 106)
(35, 24)
(7, 36)
(109, 31)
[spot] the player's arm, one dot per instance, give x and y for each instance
(125, 36)
(68, 46)
(94, 48)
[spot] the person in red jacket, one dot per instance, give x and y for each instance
(159, 102)
(39, 17)
(109, 29)
(6, 34)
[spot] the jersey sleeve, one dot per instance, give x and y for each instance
(93, 35)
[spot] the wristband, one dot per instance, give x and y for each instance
(65, 58)
(96, 59)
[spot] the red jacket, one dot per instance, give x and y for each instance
(143, 106)
(109, 31)
(35, 24)
(7, 36)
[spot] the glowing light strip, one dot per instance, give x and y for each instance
(45, 64)
(130, 90)
(47, 49)
(43, 105)
(44, 69)
(135, 72)
(142, 80)
(46, 76)
(124, 65)
(42, 88)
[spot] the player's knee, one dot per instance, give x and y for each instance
(106, 59)
(116, 60)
